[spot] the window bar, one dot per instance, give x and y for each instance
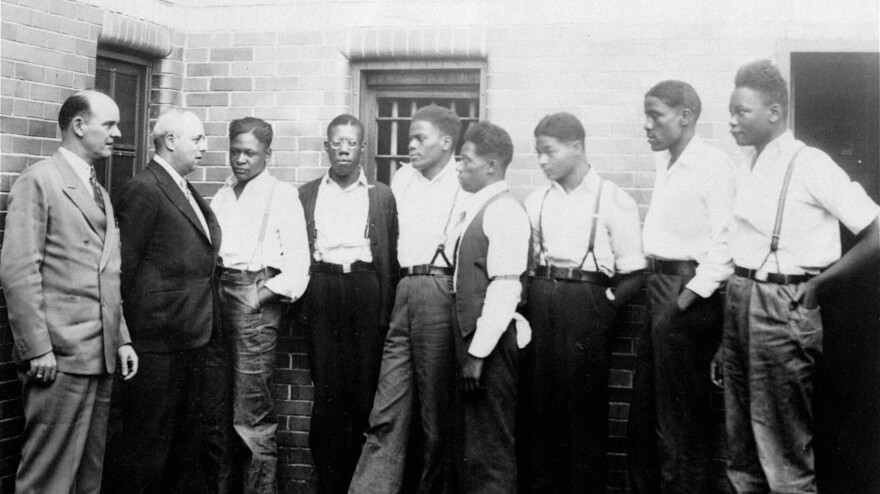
(392, 163)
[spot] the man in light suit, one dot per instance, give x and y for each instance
(170, 240)
(60, 272)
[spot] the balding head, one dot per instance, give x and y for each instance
(88, 121)
(179, 138)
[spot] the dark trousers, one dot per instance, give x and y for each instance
(485, 420)
(418, 362)
(345, 353)
(771, 347)
(219, 450)
(161, 424)
(670, 421)
(565, 402)
(64, 434)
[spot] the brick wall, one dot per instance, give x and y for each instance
(292, 63)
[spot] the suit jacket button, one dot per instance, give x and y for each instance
(88, 241)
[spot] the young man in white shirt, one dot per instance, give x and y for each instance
(265, 262)
(685, 240)
(785, 246)
(418, 359)
(352, 225)
(491, 259)
(587, 261)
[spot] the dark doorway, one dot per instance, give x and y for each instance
(126, 79)
(836, 99)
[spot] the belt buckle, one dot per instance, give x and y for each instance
(761, 275)
(346, 268)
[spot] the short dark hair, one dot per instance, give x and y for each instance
(260, 128)
(444, 119)
(563, 126)
(678, 95)
(491, 141)
(74, 106)
(764, 77)
(346, 119)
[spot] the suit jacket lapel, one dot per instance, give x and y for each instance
(311, 195)
(111, 239)
(210, 219)
(75, 189)
(175, 195)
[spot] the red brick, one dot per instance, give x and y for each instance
(276, 83)
(207, 99)
(9, 31)
(231, 84)
(89, 14)
(13, 164)
(15, 14)
(207, 69)
(43, 128)
(59, 77)
(253, 39)
(253, 99)
(59, 24)
(11, 125)
(232, 54)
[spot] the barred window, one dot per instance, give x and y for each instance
(390, 99)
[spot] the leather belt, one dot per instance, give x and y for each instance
(666, 266)
(243, 274)
(572, 274)
(426, 270)
(767, 277)
(330, 268)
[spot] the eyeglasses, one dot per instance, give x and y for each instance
(337, 143)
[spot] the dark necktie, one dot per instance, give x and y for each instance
(96, 190)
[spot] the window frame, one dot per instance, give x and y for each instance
(367, 96)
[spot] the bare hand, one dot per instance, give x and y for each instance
(807, 295)
(686, 298)
(128, 361)
(471, 372)
(716, 369)
(43, 368)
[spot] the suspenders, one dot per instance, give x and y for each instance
(593, 226)
(441, 247)
(777, 226)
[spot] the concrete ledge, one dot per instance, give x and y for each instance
(136, 35)
(365, 44)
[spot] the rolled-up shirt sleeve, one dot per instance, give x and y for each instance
(622, 220)
(506, 225)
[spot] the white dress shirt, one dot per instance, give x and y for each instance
(182, 185)
(83, 170)
(285, 246)
(689, 217)
(566, 221)
(428, 213)
(506, 226)
(341, 217)
(820, 194)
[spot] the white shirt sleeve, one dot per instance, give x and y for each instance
(717, 266)
(832, 188)
(621, 215)
(507, 226)
(290, 219)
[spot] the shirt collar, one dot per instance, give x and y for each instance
(773, 148)
(361, 181)
(232, 180)
(442, 175)
(482, 196)
(589, 183)
(689, 156)
(79, 165)
(171, 171)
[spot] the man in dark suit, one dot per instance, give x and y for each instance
(60, 274)
(170, 240)
(352, 227)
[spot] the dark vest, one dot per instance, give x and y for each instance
(472, 279)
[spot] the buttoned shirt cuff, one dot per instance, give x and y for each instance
(630, 264)
(499, 308)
